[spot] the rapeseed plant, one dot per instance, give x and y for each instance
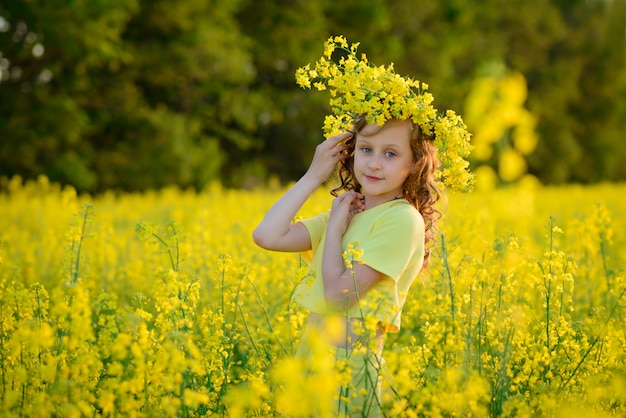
(520, 314)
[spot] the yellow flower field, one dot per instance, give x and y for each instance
(159, 304)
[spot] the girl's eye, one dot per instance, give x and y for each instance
(390, 154)
(366, 149)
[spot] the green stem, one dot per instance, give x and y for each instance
(267, 318)
(169, 252)
(245, 324)
(582, 360)
(175, 234)
(74, 273)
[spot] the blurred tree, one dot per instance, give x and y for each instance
(599, 108)
(135, 94)
(128, 94)
(285, 34)
(47, 52)
(167, 114)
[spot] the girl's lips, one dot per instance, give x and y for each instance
(372, 178)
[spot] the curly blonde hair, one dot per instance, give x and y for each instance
(419, 189)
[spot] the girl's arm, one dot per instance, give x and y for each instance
(343, 286)
(276, 231)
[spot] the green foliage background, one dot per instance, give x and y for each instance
(137, 94)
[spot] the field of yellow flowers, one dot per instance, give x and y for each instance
(159, 304)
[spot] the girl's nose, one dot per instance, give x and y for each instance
(374, 162)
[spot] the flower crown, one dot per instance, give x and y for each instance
(359, 88)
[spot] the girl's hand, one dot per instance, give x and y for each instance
(327, 155)
(344, 207)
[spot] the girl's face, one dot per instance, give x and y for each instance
(383, 160)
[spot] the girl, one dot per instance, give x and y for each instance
(385, 216)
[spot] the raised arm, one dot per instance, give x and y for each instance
(276, 231)
(343, 286)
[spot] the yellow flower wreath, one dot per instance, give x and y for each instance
(359, 88)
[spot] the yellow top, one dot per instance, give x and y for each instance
(391, 237)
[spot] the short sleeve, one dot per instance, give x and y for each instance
(395, 241)
(316, 227)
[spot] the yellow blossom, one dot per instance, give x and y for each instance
(360, 88)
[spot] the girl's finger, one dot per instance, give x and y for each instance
(340, 147)
(345, 198)
(353, 195)
(334, 140)
(354, 198)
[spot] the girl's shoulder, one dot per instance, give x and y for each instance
(402, 206)
(400, 212)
